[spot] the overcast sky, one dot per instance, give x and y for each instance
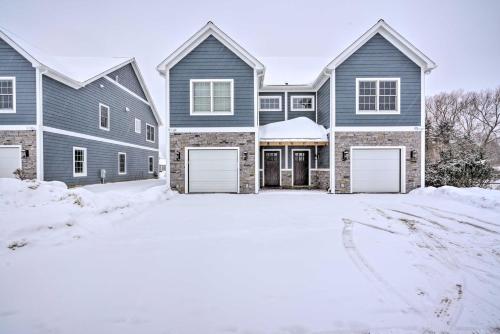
(462, 37)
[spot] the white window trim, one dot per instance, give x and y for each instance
(13, 110)
(293, 97)
(376, 112)
(109, 117)
(271, 97)
(151, 171)
(84, 173)
(211, 113)
(154, 127)
(125, 154)
(135, 125)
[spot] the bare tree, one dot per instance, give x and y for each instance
(486, 110)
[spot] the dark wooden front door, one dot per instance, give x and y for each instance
(300, 168)
(271, 168)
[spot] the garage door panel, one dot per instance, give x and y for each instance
(213, 170)
(10, 160)
(375, 170)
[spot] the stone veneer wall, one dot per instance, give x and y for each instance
(344, 140)
(244, 140)
(27, 140)
(320, 178)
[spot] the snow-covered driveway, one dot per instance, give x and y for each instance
(279, 262)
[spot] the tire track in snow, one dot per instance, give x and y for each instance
(365, 268)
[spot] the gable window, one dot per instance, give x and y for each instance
(270, 103)
(151, 164)
(79, 161)
(7, 94)
(211, 96)
(302, 103)
(122, 163)
(150, 133)
(103, 117)
(137, 125)
(377, 96)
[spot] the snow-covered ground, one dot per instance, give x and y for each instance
(133, 258)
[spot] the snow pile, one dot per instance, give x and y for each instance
(478, 197)
(297, 128)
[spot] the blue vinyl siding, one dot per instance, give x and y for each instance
(377, 58)
(324, 157)
(294, 114)
(58, 160)
(266, 117)
(324, 104)
(211, 60)
(12, 64)
(126, 77)
(77, 110)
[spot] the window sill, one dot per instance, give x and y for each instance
(270, 110)
(7, 111)
(292, 109)
(374, 112)
(105, 129)
(79, 175)
(212, 113)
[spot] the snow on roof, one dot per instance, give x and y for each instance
(293, 70)
(79, 69)
(297, 128)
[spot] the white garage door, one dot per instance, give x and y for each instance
(10, 160)
(376, 170)
(213, 171)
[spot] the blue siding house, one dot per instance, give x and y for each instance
(358, 126)
(74, 119)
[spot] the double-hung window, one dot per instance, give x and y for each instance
(150, 133)
(377, 96)
(212, 97)
(79, 161)
(270, 103)
(7, 94)
(302, 103)
(122, 163)
(151, 164)
(103, 117)
(137, 125)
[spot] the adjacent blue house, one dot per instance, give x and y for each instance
(74, 119)
(357, 127)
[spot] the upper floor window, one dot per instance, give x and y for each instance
(137, 125)
(270, 103)
(122, 163)
(103, 117)
(302, 103)
(150, 132)
(79, 161)
(7, 94)
(212, 96)
(377, 96)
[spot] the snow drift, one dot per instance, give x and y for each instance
(297, 128)
(478, 197)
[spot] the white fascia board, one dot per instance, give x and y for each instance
(19, 49)
(213, 129)
(144, 87)
(18, 127)
(209, 29)
(394, 38)
(377, 128)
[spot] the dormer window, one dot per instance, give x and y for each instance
(212, 97)
(377, 96)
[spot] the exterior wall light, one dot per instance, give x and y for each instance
(345, 155)
(245, 155)
(413, 155)
(177, 156)
(316, 156)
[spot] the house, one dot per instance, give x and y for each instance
(358, 127)
(74, 119)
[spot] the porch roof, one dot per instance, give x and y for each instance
(299, 131)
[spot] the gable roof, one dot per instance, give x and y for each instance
(76, 72)
(401, 43)
(210, 29)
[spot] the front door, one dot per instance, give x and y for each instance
(271, 168)
(300, 168)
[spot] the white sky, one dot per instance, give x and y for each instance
(462, 37)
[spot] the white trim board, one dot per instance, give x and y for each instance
(264, 163)
(126, 90)
(17, 127)
(89, 137)
(377, 128)
(402, 163)
(213, 129)
(186, 162)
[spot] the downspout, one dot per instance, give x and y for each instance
(259, 78)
